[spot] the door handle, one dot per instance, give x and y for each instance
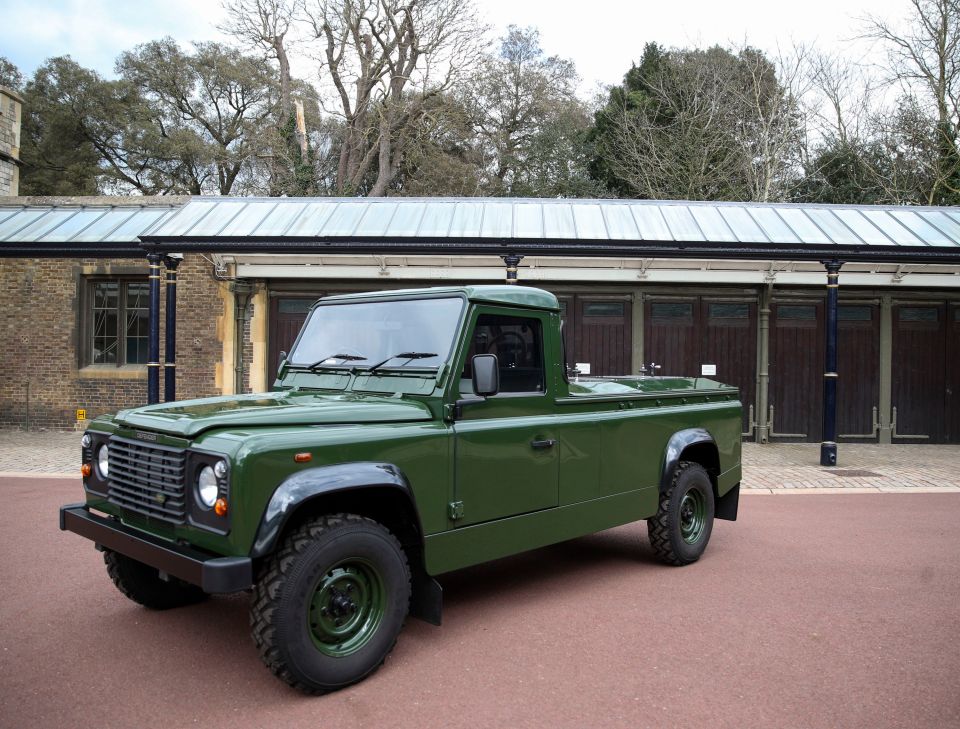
(541, 444)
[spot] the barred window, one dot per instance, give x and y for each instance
(115, 322)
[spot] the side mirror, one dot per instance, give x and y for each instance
(486, 375)
(280, 360)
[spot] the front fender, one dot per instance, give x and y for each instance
(313, 482)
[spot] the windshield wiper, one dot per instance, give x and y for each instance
(345, 357)
(408, 356)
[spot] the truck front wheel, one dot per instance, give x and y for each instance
(143, 584)
(681, 528)
(330, 602)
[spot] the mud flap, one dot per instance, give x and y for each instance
(726, 506)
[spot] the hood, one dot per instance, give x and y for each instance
(191, 417)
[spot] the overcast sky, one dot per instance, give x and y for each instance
(601, 36)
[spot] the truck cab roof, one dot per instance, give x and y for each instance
(523, 296)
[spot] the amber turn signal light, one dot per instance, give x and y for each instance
(220, 507)
(85, 470)
(303, 457)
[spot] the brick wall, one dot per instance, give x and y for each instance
(41, 383)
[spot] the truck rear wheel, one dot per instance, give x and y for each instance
(330, 602)
(143, 584)
(681, 528)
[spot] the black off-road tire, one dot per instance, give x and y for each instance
(666, 529)
(142, 584)
(291, 584)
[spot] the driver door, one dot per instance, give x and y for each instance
(507, 452)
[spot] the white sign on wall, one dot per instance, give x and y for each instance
(708, 370)
(584, 367)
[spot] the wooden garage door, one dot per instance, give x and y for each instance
(287, 315)
(919, 370)
(952, 399)
(598, 331)
(684, 335)
(796, 370)
(858, 364)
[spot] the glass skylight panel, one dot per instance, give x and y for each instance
(558, 221)
(344, 219)
(125, 226)
(185, 218)
(773, 226)
(75, 224)
(802, 227)
(406, 220)
(312, 220)
(21, 220)
(681, 223)
(743, 226)
(924, 231)
(712, 225)
(650, 222)
(528, 220)
(862, 226)
(249, 218)
(894, 230)
(213, 225)
(103, 227)
(437, 219)
(280, 217)
(8, 212)
(620, 223)
(497, 220)
(40, 227)
(943, 222)
(466, 221)
(375, 219)
(589, 220)
(834, 227)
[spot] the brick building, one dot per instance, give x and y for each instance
(735, 289)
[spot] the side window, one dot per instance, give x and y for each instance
(518, 343)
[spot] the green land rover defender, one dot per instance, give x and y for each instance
(409, 433)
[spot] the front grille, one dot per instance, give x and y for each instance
(148, 479)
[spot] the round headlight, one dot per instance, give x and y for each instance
(220, 469)
(103, 461)
(86, 440)
(207, 487)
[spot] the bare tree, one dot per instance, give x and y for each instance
(771, 123)
(925, 59)
(387, 59)
(266, 24)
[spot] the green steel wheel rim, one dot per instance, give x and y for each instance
(693, 516)
(346, 608)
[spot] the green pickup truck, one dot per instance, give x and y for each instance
(410, 433)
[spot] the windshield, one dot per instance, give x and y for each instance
(379, 334)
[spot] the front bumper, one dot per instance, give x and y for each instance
(213, 574)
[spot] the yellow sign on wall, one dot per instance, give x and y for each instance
(81, 414)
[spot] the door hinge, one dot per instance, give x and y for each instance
(456, 510)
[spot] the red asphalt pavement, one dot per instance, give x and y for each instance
(811, 611)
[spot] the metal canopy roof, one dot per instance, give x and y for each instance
(481, 226)
(73, 230)
(622, 228)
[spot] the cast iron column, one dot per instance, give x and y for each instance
(170, 345)
(512, 261)
(828, 448)
(153, 345)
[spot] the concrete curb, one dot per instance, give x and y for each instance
(855, 490)
(35, 474)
